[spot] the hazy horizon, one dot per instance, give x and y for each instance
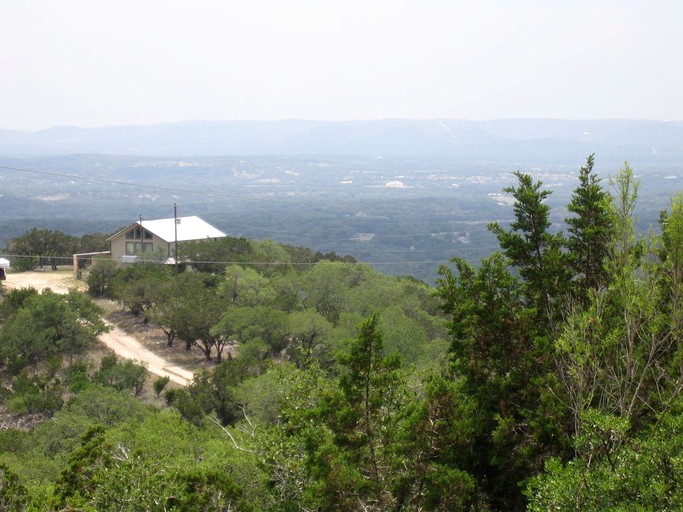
(191, 121)
(85, 64)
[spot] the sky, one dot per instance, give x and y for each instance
(101, 63)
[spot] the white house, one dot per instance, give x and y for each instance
(153, 238)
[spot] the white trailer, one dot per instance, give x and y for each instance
(4, 265)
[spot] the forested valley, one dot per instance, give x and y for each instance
(547, 376)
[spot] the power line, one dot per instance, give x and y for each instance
(253, 263)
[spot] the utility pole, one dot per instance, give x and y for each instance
(139, 251)
(176, 221)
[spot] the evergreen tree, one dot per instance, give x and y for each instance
(533, 249)
(499, 350)
(590, 231)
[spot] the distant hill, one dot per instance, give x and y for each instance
(510, 140)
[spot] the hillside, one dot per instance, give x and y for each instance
(547, 375)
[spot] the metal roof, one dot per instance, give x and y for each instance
(189, 228)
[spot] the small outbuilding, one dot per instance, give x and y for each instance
(4, 265)
(157, 238)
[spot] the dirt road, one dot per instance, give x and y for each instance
(122, 344)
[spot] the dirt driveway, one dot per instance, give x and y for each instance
(122, 344)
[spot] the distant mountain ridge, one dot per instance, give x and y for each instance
(505, 139)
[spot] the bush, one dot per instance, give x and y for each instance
(127, 375)
(160, 384)
(32, 395)
(77, 377)
(100, 278)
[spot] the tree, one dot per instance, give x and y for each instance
(620, 353)
(533, 249)
(273, 257)
(503, 357)
(35, 394)
(351, 463)
(246, 287)
(196, 320)
(94, 242)
(47, 245)
(309, 334)
(215, 392)
(126, 375)
(434, 442)
(168, 301)
(160, 384)
(671, 257)
(14, 300)
(13, 495)
(213, 255)
(249, 324)
(136, 287)
(619, 361)
(106, 476)
(625, 249)
(100, 278)
(187, 307)
(621, 473)
(325, 286)
(49, 324)
(591, 231)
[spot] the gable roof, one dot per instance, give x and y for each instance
(189, 228)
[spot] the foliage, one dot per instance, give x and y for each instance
(38, 456)
(215, 392)
(128, 375)
(14, 300)
(47, 245)
(532, 248)
(622, 472)
(365, 442)
(246, 287)
(100, 278)
(35, 395)
(13, 495)
(38, 326)
(135, 286)
(212, 255)
(590, 231)
(264, 324)
(160, 384)
(497, 350)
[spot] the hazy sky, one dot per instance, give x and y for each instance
(98, 63)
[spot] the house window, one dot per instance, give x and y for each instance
(137, 233)
(135, 244)
(138, 248)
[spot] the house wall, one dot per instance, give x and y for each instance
(118, 246)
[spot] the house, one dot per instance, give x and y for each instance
(155, 239)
